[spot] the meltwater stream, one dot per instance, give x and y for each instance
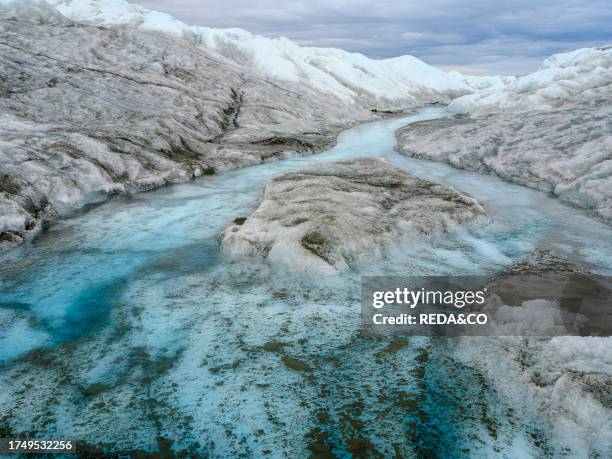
(127, 327)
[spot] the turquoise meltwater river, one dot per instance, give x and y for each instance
(126, 327)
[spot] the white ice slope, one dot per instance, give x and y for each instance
(581, 74)
(382, 84)
(550, 130)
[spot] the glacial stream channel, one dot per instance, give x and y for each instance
(125, 326)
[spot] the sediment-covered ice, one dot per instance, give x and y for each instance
(128, 99)
(550, 130)
(564, 381)
(326, 217)
(566, 151)
(86, 112)
(154, 343)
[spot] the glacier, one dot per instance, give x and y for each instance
(227, 98)
(550, 130)
(130, 311)
(135, 329)
(139, 110)
(382, 84)
(154, 101)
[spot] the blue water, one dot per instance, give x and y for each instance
(135, 295)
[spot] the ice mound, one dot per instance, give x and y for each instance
(326, 217)
(577, 74)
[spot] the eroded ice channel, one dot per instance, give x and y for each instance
(125, 325)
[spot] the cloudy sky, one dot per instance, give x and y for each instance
(474, 36)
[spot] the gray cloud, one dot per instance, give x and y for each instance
(477, 36)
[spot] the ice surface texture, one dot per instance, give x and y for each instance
(322, 218)
(550, 130)
(563, 380)
(577, 75)
(126, 325)
(352, 77)
(127, 99)
(88, 111)
(566, 151)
